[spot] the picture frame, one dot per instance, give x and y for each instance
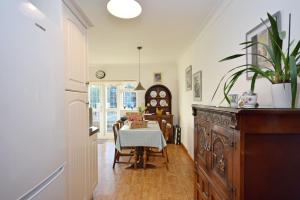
(259, 34)
(188, 78)
(197, 86)
(157, 77)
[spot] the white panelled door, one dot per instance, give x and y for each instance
(76, 122)
(75, 53)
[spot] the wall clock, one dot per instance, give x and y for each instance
(100, 74)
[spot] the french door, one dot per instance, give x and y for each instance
(108, 102)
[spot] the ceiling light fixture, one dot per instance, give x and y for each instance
(125, 9)
(139, 86)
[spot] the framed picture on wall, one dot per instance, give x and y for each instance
(188, 78)
(197, 86)
(260, 34)
(157, 77)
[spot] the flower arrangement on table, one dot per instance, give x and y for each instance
(136, 120)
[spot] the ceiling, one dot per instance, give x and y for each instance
(164, 29)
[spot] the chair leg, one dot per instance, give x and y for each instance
(167, 160)
(145, 157)
(115, 159)
(166, 150)
(135, 159)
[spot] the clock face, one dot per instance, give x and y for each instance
(100, 74)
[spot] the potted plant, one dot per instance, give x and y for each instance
(285, 67)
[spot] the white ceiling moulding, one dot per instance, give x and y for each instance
(125, 9)
(78, 12)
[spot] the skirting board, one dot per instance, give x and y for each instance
(187, 153)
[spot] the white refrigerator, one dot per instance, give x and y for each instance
(32, 146)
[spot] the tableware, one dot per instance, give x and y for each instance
(153, 94)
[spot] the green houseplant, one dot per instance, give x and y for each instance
(285, 66)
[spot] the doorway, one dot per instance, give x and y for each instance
(109, 101)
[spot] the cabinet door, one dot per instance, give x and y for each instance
(75, 41)
(222, 158)
(202, 143)
(214, 195)
(93, 162)
(202, 191)
(76, 127)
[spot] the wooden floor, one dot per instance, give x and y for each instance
(150, 184)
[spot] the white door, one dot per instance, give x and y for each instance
(76, 122)
(75, 40)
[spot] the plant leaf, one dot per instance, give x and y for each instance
(295, 52)
(246, 43)
(223, 77)
(232, 57)
(233, 78)
(253, 82)
(293, 73)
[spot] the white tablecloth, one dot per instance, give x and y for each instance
(144, 137)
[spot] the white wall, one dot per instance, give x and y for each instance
(219, 39)
(125, 72)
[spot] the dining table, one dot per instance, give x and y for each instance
(141, 139)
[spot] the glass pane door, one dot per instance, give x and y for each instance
(111, 107)
(95, 104)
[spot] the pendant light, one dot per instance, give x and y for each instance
(139, 86)
(125, 9)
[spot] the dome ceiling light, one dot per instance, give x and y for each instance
(125, 9)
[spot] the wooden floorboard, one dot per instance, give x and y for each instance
(150, 184)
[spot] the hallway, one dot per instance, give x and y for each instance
(149, 184)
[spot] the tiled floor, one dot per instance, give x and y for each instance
(150, 184)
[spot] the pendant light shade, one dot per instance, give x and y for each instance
(125, 9)
(139, 86)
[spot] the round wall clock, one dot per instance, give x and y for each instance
(100, 74)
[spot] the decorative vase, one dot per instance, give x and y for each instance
(281, 95)
(248, 100)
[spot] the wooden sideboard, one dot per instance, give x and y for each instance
(246, 154)
(168, 118)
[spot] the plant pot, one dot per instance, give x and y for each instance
(281, 95)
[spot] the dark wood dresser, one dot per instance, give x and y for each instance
(246, 154)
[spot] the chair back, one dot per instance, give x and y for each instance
(120, 123)
(116, 131)
(163, 126)
(168, 131)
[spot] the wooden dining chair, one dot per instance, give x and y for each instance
(125, 151)
(163, 126)
(120, 123)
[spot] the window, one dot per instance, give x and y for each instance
(95, 103)
(129, 97)
(111, 97)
